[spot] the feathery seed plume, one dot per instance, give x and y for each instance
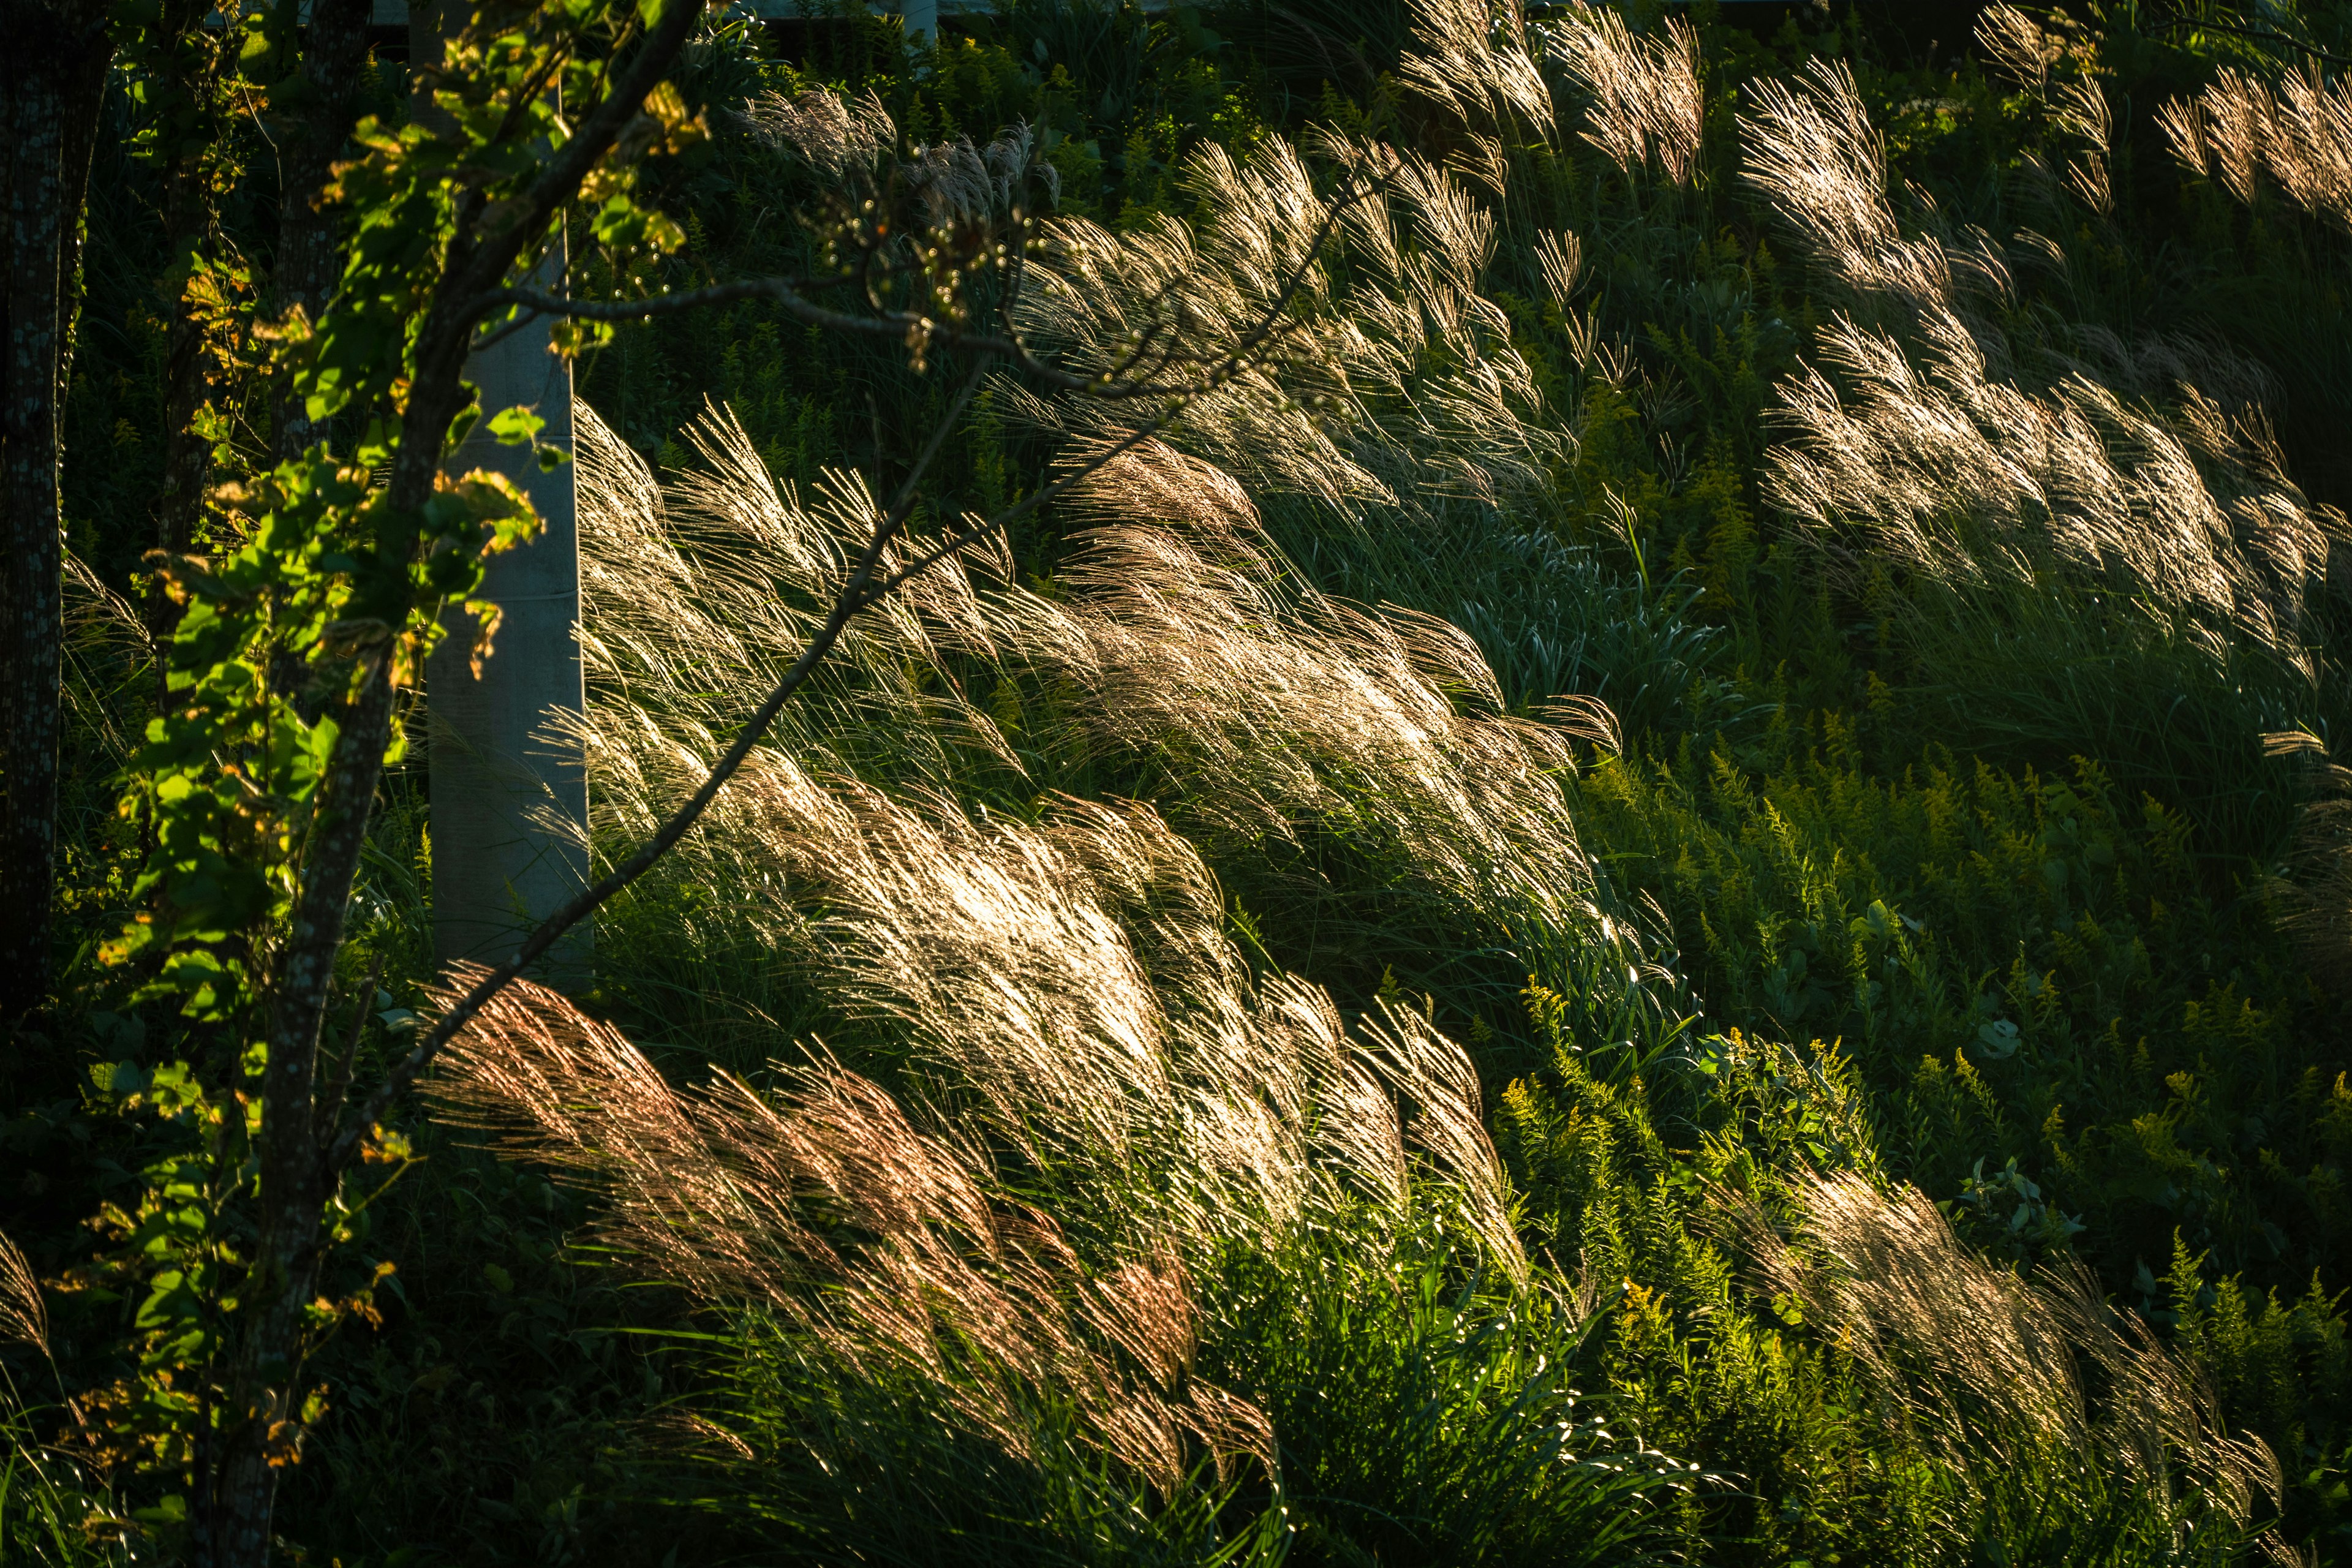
(2298, 132)
(924, 1267)
(1645, 99)
(1984, 1359)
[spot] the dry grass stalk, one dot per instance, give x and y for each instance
(24, 1312)
(1463, 66)
(1984, 1361)
(107, 641)
(1070, 978)
(1813, 153)
(1154, 480)
(832, 134)
(2016, 42)
(1969, 480)
(1401, 394)
(1274, 711)
(1442, 1088)
(1883, 1276)
(926, 1269)
(2298, 132)
(1922, 448)
(844, 140)
(1292, 714)
(2079, 109)
(2313, 898)
(1069, 985)
(1561, 257)
(726, 572)
(1645, 99)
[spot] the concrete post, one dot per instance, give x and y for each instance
(509, 798)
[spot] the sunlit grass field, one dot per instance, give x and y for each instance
(1675, 893)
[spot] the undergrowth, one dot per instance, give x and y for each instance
(1640, 918)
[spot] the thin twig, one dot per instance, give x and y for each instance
(978, 531)
(901, 324)
(786, 291)
(2259, 34)
(641, 310)
(339, 1077)
(484, 344)
(853, 596)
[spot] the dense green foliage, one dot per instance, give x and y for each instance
(1968, 882)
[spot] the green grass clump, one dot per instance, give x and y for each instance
(1423, 1414)
(51, 1512)
(1427, 1416)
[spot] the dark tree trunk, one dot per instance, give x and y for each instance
(308, 264)
(55, 67)
(265, 1391)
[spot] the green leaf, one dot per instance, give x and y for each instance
(515, 427)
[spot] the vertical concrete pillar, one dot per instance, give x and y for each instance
(509, 797)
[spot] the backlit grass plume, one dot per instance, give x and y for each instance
(1472, 61)
(1067, 976)
(1966, 479)
(2296, 133)
(1643, 98)
(1402, 390)
(2313, 898)
(887, 1243)
(2051, 1406)
(1178, 647)
(24, 1312)
(1913, 438)
(1813, 154)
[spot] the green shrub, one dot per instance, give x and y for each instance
(2033, 973)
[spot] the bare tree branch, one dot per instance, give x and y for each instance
(862, 589)
(2258, 35)
(1116, 383)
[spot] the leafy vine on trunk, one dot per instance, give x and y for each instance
(258, 801)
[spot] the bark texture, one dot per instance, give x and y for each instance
(54, 71)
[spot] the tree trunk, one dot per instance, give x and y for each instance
(265, 1389)
(509, 795)
(51, 112)
(309, 265)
